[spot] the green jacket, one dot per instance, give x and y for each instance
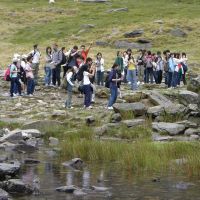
(119, 61)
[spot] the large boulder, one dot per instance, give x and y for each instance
(12, 136)
(194, 84)
(17, 186)
(138, 109)
(168, 128)
(175, 109)
(155, 111)
(121, 44)
(10, 169)
(3, 195)
(192, 131)
(133, 122)
(188, 97)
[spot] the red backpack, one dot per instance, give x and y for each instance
(7, 74)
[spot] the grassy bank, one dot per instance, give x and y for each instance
(137, 156)
(24, 23)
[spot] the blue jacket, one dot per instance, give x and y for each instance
(113, 75)
(171, 65)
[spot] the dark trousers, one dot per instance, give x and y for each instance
(175, 79)
(149, 74)
(184, 79)
(65, 68)
(100, 78)
(12, 86)
(125, 74)
(159, 77)
(56, 75)
(169, 79)
(113, 95)
(30, 86)
(88, 94)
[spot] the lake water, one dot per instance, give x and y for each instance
(121, 185)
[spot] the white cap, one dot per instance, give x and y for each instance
(16, 55)
(15, 59)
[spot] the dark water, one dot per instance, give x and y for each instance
(121, 184)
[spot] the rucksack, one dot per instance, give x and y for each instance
(7, 74)
(107, 81)
(64, 59)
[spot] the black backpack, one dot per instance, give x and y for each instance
(79, 74)
(107, 81)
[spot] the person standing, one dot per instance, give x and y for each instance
(119, 61)
(36, 62)
(30, 76)
(56, 62)
(100, 69)
(14, 78)
(113, 80)
(84, 53)
(86, 83)
(47, 67)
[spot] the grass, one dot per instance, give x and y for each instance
(44, 24)
(10, 125)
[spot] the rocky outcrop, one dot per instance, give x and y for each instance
(188, 97)
(177, 32)
(16, 186)
(3, 195)
(133, 122)
(132, 34)
(194, 85)
(155, 111)
(168, 128)
(138, 109)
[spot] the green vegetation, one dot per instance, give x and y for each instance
(26, 22)
(10, 125)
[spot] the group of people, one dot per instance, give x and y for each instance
(85, 73)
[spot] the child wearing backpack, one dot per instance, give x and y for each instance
(70, 78)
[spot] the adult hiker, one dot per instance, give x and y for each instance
(36, 62)
(56, 62)
(84, 53)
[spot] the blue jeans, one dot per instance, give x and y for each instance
(88, 94)
(149, 72)
(113, 95)
(30, 86)
(56, 75)
(100, 78)
(15, 81)
(133, 79)
(47, 78)
(169, 79)
(175, 79)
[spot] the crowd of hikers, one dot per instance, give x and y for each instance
(79, 70)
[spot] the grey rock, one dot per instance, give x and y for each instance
(121, 44)
(159, 138)
(67, 189)
(75, 163)
(132, 34)
(10, 169)
(188, 124)
(42, 125)
(116, 117)
(3, 195)
(133, 122)
(192, 131)
(53, 141)
(27, 146)
(102, 43)
(100, 131)
(58, 113)
(188, 97)
(159, 21)
(158, 99)
(33, 132)
(143, 41)
(138, 108)
(169, 128)
(194, 137)
(177, 32)
(12, 136)
(174, 109)
(155, 111)
(17, 186)
(194, 85)
(118, 10)
(3, 158)
(88, 26)
(90, 120)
